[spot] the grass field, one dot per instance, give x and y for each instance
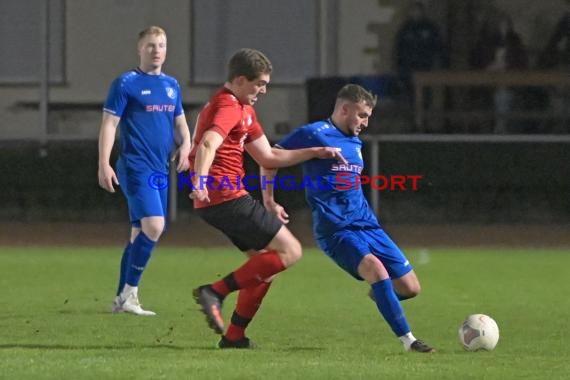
(316, 322)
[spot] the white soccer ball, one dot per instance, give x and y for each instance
(479, 332)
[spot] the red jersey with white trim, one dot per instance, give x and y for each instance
(237, 124)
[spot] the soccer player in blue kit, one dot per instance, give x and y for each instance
(147, 104)
(344, 225)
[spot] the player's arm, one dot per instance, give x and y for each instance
(267, 192)
(205, 154)
(269, 157)
(106, 174)
(182, 140)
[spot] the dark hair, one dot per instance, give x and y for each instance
(356, 94)
(250, 63)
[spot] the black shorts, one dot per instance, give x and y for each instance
(244, 220)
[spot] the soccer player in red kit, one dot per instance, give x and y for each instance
(226, 126)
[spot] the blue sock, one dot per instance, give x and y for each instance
(124, 265)
(140, 254)
(390, 307)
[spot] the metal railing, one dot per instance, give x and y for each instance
(559, 80)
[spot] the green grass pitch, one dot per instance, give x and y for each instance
(316, 322)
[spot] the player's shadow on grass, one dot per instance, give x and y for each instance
(298, 348)
(86, 347)
(71, 347)
(263, 348)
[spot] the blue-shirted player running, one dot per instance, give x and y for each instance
(147, 104)
(344, 225)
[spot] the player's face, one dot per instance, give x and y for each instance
(250, 90)
(357, 115)
(152, 52)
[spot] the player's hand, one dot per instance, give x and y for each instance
(200, 195)
(278, 210)
(181, 157)
(330, 152)
(107, 178)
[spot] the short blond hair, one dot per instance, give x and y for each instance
(151, 30)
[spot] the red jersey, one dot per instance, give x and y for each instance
(238, 125)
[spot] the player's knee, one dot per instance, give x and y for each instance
(154, 229)
(410, 290)
(407, 286)
(371, 269)
(292, 253)
(415, 289)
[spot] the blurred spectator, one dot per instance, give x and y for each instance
(557, 51)
(556, 56)
(419, 46)
(498, 47)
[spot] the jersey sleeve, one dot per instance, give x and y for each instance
(255, 130)
(179, 110)
(225, 118)
(298, 139)
(117, 98)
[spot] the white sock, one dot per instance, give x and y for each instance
(407, 340)
(130, 290)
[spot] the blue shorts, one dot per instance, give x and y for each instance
(144, 198)
(348, 247)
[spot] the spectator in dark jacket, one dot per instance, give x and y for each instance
(419, 46)
(499, 48)
(557, 51)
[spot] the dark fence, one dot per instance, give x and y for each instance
(461, 183)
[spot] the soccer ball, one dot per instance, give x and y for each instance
(479, 332)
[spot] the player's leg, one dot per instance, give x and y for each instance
(126, 259)
(141, 250)
(388, 258)
(125, 263)
(373, 271)
(280, 253)
(406, 286)
(283, 251)
(351, 250)
(148, 209)
(250, 298)
(251, 228)
(248, 303)
(253, 275)
(404, 279)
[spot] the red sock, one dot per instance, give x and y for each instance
(252, 273)
(221, 287)
(248, 302)
(258, 268)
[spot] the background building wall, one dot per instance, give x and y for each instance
(58, 180)
(101, 43)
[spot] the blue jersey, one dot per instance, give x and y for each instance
(335, 197)
(147, 105)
